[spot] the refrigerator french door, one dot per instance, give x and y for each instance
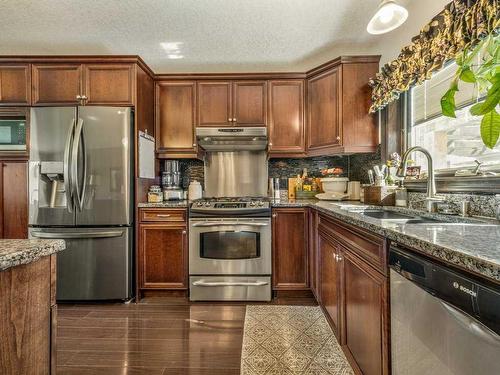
(80, 190)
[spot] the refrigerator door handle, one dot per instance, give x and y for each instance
(66, 167)
(78, 186)
(70, 235)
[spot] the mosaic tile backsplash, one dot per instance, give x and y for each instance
(355, 167)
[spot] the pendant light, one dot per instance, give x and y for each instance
(389, 16)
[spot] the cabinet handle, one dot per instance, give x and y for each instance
(162, 215)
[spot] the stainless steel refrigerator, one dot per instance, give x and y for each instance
(80, 190)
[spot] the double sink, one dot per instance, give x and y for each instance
(387, 216)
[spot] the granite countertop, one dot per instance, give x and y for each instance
(469, 243)
(16, 252)
(165, 204)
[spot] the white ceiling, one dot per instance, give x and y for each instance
(216, 35)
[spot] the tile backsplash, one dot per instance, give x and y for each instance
(355, 167)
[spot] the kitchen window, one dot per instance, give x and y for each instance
(454, 143)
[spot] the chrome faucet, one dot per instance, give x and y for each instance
(432, 198)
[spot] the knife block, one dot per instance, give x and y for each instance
(380, 195)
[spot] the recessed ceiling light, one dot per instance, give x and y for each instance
(175, 56)
(389, 16)
(171, 47)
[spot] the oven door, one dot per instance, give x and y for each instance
(230, 246)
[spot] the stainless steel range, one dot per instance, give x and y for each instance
(230, 249)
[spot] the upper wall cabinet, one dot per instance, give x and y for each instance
(338, 104)
(109, 84)
(15, 85)
(286, 118)
(175, 118)
(228, 103)
(83, 84)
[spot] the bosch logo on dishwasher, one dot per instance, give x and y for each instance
(462, 288)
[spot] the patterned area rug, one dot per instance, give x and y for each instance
(290, 340)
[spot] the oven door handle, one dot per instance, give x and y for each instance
(229, 283)
(220, 224)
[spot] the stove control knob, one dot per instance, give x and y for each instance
(199, 204)
(207, 204)
(252, 203)
(261, 203)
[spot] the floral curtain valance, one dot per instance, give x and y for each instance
(461, 24)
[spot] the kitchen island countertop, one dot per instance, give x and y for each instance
(16, 252)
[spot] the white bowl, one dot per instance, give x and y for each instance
(334, 184)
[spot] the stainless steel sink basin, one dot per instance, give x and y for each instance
(396, 217)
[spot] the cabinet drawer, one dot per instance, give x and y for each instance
(366, 245)
(162, 215)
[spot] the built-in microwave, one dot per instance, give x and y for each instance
(12, 133)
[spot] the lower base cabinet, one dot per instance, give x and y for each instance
(365, 294)
(163, 251)
(354, 296)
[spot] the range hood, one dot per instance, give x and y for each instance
(232, 139)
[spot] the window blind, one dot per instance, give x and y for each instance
(426, 97)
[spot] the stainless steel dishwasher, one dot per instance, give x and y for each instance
(442, 321)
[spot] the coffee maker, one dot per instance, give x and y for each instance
(171, 181)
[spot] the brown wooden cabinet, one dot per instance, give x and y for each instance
(15, 85)
(228, 103)
(250, 103)
(290, 250)
(163, 249)
(366, 314)
(175, 114)
(83, 84)
(57, 84)
(354, 293)
(286, 118)
(338, 104)
(26, 319)
(324, 111)
(330, 281)
(109, 84)
(13, 199)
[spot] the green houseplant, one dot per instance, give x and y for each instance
(486, 76)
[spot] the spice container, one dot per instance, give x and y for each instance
(155, 195)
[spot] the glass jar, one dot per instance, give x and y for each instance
(155, 195)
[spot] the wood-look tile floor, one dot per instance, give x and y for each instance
(159, 336)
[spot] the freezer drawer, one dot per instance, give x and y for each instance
(230, 288)
(96, 264)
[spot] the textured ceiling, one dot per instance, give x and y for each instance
(216, 35)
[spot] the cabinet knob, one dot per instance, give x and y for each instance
(184, 232)
(234, 120)
(338, 138)
(84, 97)
(275, 215)
(79, 97)
(270, 143)
(194, 144)
(229, 119)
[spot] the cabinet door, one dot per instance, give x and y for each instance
(324, 111)
(14, 200)
(290, 256)
(250, 103)
(109, 84)
(214, 104)
(175, 118)
(330, 281)
(365, 315)
(56, 84)
(163, 256)
(286, 117)
(15, 84)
